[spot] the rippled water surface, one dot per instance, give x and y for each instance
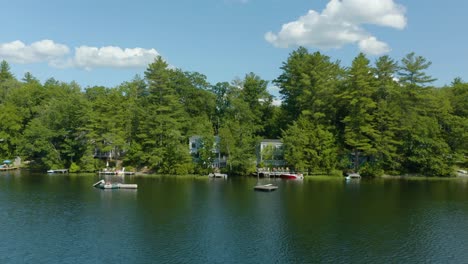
(62, 219)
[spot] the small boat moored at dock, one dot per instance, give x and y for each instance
(292, 176)
(102, 184)
(218, 175)
(353, 176)
(6, 165)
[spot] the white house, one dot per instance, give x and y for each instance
(195, 143)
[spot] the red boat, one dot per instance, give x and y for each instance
(292, 176)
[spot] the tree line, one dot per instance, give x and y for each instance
(375, 118)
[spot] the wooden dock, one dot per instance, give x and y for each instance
(8, 168)
(121, 173)
(271, 174)
(265, 187)
(58, 171)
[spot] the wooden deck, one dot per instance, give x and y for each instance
(265, 187)
(271, 174)
(58, 171)
(8, 168)
(116, 173)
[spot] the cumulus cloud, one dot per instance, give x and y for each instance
(40, 51)
(58, 55)
(340, 23)
(373, 47)
(110, 56)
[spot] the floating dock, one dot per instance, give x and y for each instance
(265, 187)
(103, 185)
(118, 186)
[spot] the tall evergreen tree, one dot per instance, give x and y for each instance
(424, 148)
(220, 91)
(385, 72)
(309, 147)
(163, 144)
(238, 133)
(7, 80)
(412, 70)
(29, 78)
(307, 85)
(254, 92)
(387, 115)
(360, 132)
(5, 72)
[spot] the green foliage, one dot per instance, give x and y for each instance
(87, 162)
(74, 167)
(5, 72)
(412, 70)
(205, 155)
(7, 81)
(307, 85)
(382, 115)
(36, 144)
(309, 147)
(360, 132)
(9, 130)
(371, 170)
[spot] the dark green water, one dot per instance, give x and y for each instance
(62, 219)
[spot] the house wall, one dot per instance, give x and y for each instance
(277, 158)
(195, 145)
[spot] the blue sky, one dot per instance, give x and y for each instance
(101, 42)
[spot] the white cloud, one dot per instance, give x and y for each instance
(277, 102)
(340, 23)
(58, 55)
(373, 47)
(40, 51)
(110, 56)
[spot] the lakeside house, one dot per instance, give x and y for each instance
(270, 153)
(196, 143)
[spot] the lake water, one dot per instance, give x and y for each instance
(62, 219)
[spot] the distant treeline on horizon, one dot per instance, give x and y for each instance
(375, 118)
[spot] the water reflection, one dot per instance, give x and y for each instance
(55, 218)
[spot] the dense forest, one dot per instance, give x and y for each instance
(376, 118)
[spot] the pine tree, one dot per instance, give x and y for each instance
(359, 132)
(307, 86)
(5, 73)
(309, 147)
(161, 137)
(7, 80)
(412, 70)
